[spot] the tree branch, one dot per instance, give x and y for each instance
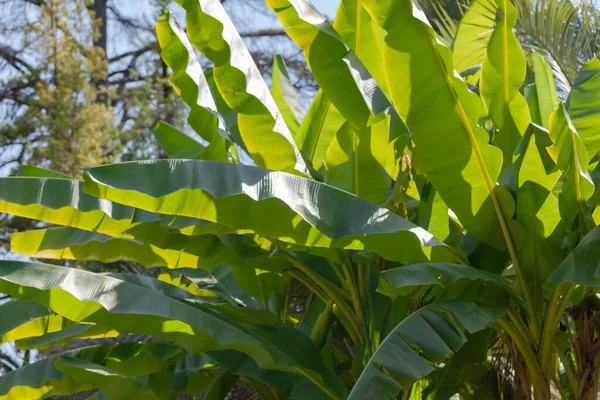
(134, 53)
(130, 22)
(10, 55)
(263, 33)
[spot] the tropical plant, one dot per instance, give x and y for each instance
(565, 32)
(413, 235)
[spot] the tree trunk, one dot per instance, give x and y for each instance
(100, 7)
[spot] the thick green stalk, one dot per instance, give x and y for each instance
(262, 292)
(350, 326)
(557, 305)
(521, 328)
(338, 274)
(538, 380)
(353, 291)
(327, 289)
(570, 375)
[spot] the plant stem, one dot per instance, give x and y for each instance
(262, 292)
(260, 389)
(315, 289)
(351, 328)
(557, 306)
(521, 328)
(362, 282)
(568, 370)
(356, 301)
(538, 380)
(326, 287)
(559, 387)
(353, 291)
(337, 273)
(287, 301)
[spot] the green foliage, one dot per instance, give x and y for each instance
(414, 234)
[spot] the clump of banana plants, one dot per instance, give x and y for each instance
(427, 228)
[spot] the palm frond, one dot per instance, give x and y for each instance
(564, 32)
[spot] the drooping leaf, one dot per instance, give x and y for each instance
(274, 204)
(220, 279)
(39, 172)
(456, 281)
(239, 81)
(472, 37)
(318, 129)
(14, 314)
(115, 385)
(172, 250)
(581, 265)
(545, 91)
(42, 379)
(355, 27)
(433, 215)
(416, 347)
(502, 75)
(584, 105)
(571, 157)
(191, 84)
(288, 385)
(352, 167)
(286, 99)
(340, 74)
(537, 206)
(62, 202)
(451, 149)
(468, 373)
(177, 144)
(87, 297)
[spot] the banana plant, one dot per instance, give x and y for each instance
(413, 234)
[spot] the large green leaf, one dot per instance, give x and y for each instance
(584, 105)
(502, 75)
(112, 383)
(418, 345)
(571, 157)
(451, 149)
(581, 265)
(537, 206)
(177, 144)
(285, 97)
(456, 281)
(39, 172)
(340, 74)
(472, 37)
(15, 313)
(433, 214)
(87, 297)
(356, 28)
(288, 385)
(546, 100)
(352, 167)
(43, 379)
(239, 81)
(191, 84)
(168, 250)
(321, 123)
(62, 202)
(270, 203)
(220, 279)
